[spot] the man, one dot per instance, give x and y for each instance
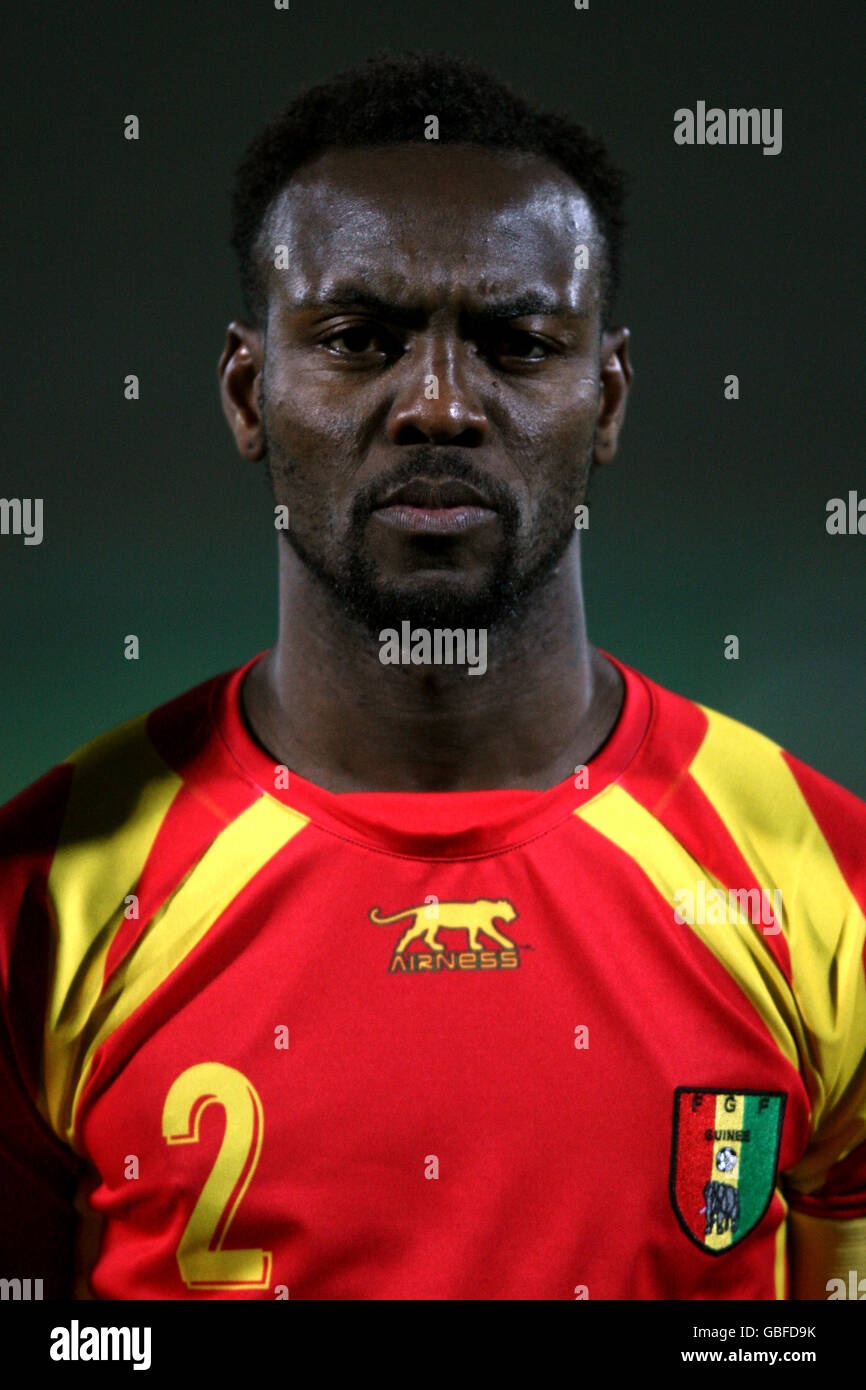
(433, 953)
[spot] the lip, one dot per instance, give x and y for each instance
(441, 521)
(436, 494)
(429, 506)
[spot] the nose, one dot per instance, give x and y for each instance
(437, 404)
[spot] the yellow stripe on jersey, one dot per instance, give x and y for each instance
(724, 1119)
(670, 868)
(781, 1262)
(103, 847)
(745, 777)
(238, 853)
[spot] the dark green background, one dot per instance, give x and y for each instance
(712, 519)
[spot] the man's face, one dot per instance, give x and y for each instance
(431, 331)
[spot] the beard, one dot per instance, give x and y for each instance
(512, 579)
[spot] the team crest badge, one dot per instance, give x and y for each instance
(723, 1162)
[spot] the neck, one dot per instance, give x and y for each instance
(323, 704)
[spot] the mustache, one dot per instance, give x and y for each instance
(438, 462)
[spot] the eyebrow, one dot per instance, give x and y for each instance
(351, 298)
(522, 306)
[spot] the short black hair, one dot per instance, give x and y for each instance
(385, 102)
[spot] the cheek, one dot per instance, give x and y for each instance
(552, 456)
(555, 419)
(309, 430)
(314, 451)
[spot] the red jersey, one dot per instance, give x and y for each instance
(259, 1040)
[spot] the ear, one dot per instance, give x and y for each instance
(239, 370)
(616, 379)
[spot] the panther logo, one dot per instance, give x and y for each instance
(472, 918)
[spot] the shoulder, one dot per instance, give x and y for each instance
(103, 796)
(756, 787)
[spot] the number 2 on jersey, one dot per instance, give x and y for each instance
(202, 1261)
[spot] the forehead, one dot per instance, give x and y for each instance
(432, 220)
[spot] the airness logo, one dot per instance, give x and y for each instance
(723, 1162)
(476, 919)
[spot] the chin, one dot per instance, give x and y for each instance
(438, 602)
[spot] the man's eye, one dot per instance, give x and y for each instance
(360, 340)
(521, 346)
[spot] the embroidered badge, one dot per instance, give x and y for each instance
(723, 1162)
